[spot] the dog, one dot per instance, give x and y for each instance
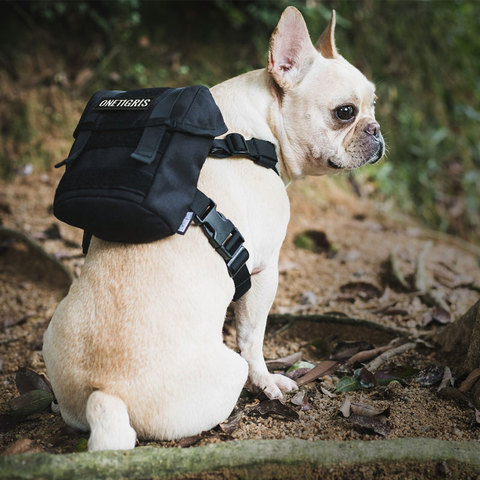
(135, 349)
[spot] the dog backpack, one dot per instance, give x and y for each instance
(131, 175)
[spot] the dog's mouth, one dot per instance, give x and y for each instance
(332, 164)
(371, 161)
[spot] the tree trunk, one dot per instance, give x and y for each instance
(462, 338)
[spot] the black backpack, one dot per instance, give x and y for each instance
(131, 175)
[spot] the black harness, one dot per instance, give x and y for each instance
(131, 175)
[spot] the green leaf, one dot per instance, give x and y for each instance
(300, 364)
(348, 384)
(34, 401)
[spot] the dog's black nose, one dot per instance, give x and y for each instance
(373, 128)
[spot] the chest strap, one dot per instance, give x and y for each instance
(259, 151)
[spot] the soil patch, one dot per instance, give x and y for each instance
(347, 277)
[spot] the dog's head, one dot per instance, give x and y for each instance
(327, 106)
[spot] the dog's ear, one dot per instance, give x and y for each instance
(326, 43)
(291, 50)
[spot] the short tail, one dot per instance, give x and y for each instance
(109, 423)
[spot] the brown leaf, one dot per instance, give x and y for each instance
(477, 416)
(469, 382)
(24, 445)
(193, 439)
(323, 368)
(232, 423)
(451, 393)
(327, 392)
(268, 407)
(365, 410)
(429, 376)
(439, 315)
(376, 424)
(284, 362)
(27, 380)
(345, 409)
(298, 398)
(447, 380)
(297, 373)
(364, 290)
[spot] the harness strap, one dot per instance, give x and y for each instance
(261, 152)
(225, 239)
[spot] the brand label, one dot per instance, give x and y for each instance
(185, 223)
(124, 103)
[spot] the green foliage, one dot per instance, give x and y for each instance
(423, 56)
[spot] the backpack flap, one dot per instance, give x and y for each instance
(133, 170)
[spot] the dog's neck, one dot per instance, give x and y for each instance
(247, 103)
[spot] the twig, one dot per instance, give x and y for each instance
(360, 322)
(366, 355)
(380, 360)
(37, 248)
(397, 275)
(420, 280)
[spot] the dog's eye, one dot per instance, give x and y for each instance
(345, 112)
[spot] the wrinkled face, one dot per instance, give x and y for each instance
(330, 118)
(325, 107)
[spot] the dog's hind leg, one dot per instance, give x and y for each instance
(109, 423)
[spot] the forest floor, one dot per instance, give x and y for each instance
(336, 264)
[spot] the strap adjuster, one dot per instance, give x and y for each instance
(224, 237)
(236, 144)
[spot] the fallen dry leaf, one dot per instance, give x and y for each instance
(326, 392)
(298, 398)
(451, 393)
(27, 380)
(327, 366)
(232, 423)
(284, 362)
(469, 382)
(366, 410)
(24, 445)
(268, 407)
(447, 380)
(439, 315)
(377, 424)
(363, 290)
(193, 439)
(345, 409)
(429, 376)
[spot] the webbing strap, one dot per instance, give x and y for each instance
(225, 239)
(261, 152)
(148, 145)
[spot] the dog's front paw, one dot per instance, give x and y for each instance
(273, 384)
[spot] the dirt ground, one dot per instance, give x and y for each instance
(345, 277)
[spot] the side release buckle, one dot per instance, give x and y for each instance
(223, 236)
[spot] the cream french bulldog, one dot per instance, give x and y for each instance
(136, 349)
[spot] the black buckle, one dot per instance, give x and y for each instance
(236, 144)
(224, 237)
